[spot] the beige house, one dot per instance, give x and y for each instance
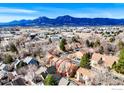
(77, 54)
(85, 75)
(104, 60)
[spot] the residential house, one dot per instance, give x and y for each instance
(31, 60)
(85, 76)
(64, 81)
(40, 70)
(105, 60)
(56, 37)
(76, 57)
(3, 67)
(17, 61)
(64, 66)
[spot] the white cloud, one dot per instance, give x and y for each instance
(10, 14)
(16, 10)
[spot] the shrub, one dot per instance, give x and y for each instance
(97, 43)
(121, 44)
(112, 39)
(13, 48)
(21, 64)
(49, 80)
(8, 59)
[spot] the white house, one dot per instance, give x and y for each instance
(30, 60)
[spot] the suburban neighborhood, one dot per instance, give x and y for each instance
(69, 56)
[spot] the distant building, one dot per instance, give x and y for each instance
(31, 60)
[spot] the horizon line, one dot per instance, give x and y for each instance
(63, 16)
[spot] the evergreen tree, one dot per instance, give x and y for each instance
(119, 67)
(62, 44)
(87, 43)
(85, 61)
(49, 80)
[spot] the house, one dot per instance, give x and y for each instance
(85, 75)
(72, 84)
(2, 74)
(27, 60)
(31, 60)
(17, 61)
(95, 59)
(3, 67)
(64, 66)
(79, 54)
(107, 60)
(63, 81)
(6, 78)
(76, 57)
(51, 59)
(56, 37)
(41, 70)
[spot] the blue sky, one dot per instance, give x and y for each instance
(10, 11)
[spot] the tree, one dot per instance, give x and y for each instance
(8, 59)
(85, 61)
(112, 39)
(62, 44)
(49, 80)
(120, 44)
(101, 50)
(121, 56)
(13, 48)
(21, 64)
(91, 44)
(74, 39)
(0, 39)
(100, 61)
(97, 43)
(50, 41)
(87, 43)
(109, 49)
(119, 67)
(114, 65)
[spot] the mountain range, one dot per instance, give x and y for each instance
(66, 21)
